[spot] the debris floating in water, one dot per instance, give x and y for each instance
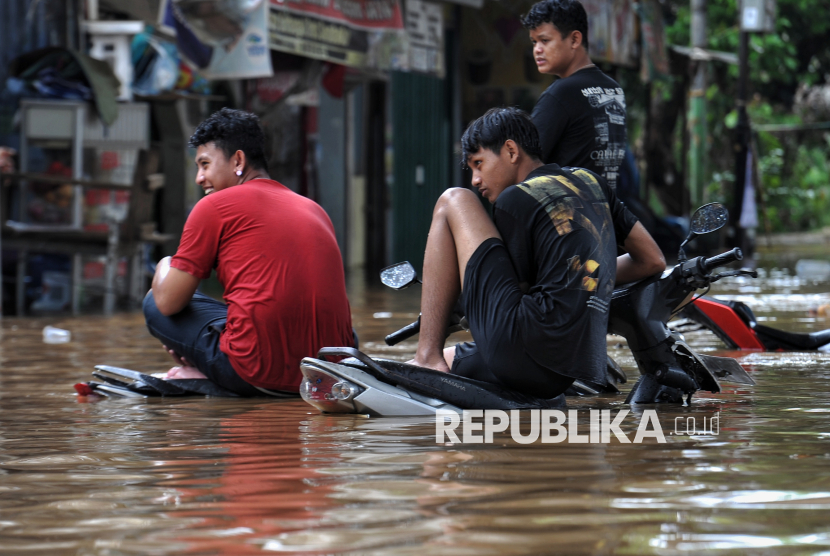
(52, 335)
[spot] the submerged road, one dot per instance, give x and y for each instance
(218, 476)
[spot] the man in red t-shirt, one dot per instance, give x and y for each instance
(276, 255)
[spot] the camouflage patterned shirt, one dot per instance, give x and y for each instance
(561, 227)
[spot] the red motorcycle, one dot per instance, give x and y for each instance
(735, 324)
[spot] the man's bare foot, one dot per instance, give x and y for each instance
(185, 372)
(183, 368)
(441, 362)
(437, 365)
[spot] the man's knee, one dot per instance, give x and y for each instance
(455, 196)
(454, 199)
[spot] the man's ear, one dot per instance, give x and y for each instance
(238, 160)
(513, 150)
(576, 39)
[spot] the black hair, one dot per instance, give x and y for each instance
(491, 130)
(565, 15)
(233, 130)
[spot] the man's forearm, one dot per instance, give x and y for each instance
(644, 257)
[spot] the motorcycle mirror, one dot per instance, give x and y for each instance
(399, 276)
(709, 218)
(705, 220)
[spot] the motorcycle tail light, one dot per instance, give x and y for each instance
(327, 392)
(344, 391)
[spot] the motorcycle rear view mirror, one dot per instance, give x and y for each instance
(399, 276)
(705, 220)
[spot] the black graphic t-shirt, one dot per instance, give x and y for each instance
(581, 122)
(560, 227)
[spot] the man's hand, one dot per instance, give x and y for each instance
(172, 288)
(643, 259)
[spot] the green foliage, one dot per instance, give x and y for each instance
(798, 192)
(794, 166)
(795, 53)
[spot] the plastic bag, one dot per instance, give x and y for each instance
(156, 65)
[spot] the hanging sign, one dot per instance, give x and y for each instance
(654, 59)
(357, 14)
(612, 33)
(425, 31)
(358, 33)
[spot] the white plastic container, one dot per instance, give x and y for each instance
(52, 335)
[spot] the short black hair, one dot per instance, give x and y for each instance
(233, 130)
(565, 15)
(491, 130)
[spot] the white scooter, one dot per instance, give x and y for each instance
(671, 371)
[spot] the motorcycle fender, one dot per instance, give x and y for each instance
(705, 377)
(726, 369)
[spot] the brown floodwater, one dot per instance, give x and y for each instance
(218, 476)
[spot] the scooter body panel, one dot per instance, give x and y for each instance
(386, 388)
(736, 325)
(640, 311)
(726, 324)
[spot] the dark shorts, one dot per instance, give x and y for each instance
(491, 297)
(193, 333)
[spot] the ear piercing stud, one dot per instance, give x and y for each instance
(239, 172)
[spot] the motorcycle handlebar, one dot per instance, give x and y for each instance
(723, 259)
(406, 332)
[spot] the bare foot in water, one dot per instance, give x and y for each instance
(183, 368)
(440, 362)
(184, 372)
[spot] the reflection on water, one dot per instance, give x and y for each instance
(214, 476)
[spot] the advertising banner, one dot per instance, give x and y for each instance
(361, 33)
(357, 33)
(612, 35)
(655, 59)
(225, 39)
(623, 32)
(357, 14)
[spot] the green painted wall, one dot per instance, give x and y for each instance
(420, 138)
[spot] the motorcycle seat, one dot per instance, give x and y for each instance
(462, 392)
(778, 339)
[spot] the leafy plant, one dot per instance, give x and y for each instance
(794, 166)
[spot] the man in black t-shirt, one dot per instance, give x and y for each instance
(581, 116)
(536, 280)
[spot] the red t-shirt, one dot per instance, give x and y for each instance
(276, 255)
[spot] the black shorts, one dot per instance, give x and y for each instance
(491, 297)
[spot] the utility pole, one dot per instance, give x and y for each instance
(755, 16)
(697, 107)
(742, 136)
